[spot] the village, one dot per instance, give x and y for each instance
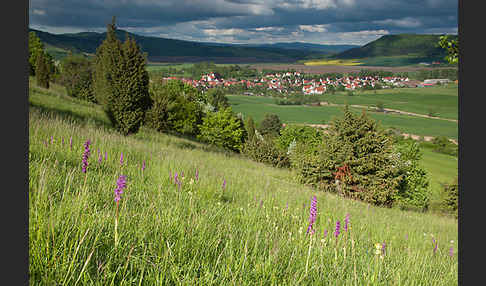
(295, 82)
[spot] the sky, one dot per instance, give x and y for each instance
(354, 22)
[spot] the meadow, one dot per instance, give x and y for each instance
(409, 60)
(256, 107)
(441, 100)
(442, 169)
(195, 215)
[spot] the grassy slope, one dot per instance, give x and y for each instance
(197, 235)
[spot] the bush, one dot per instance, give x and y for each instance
(184, 116)
(380, 106)
(354, 159)
(451, 199)
(157, 116)
(77, 77)
(413, 191)
(174, 107)
(442, 145)
(264, 150)
(217, 99)
(270, 125)
(223, 129)
(432, 112)
(298, 134)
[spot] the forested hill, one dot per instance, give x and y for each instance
(420, 46)
(161, 49)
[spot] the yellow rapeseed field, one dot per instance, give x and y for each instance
(333, 62)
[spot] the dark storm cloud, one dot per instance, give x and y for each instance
(356, 12)
(252, 20)
(95, 13)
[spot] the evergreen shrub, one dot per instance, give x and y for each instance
(354, 159)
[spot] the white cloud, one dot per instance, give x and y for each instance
(313, 28)
(365, 33)
(269, 29)
(65, 30)
(347, 2)
(38, 12)
(222, 32)
(318, 4)
(407, 22)
(361, 37)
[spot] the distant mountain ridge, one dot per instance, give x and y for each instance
(398, 50)
(297, 46)
(161, 49)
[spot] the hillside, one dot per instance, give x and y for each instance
(170, 50)
(415, 48)
(196, 232)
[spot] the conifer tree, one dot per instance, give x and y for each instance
(130, 102)
(270, 125)
(106, 70)
(36, 47)
(355, 159)
(250, 128)
(120, 81)
(42, 71)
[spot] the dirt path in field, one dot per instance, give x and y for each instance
(389, 110)
(405, 135)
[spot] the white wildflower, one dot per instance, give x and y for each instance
(258, 135)
(291, 146)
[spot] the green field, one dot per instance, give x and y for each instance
(442, 100)
(163, 66)
(402, 99)
(443, 169)
(394, 61)
(252, 232)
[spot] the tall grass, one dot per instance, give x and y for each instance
(252, 234)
